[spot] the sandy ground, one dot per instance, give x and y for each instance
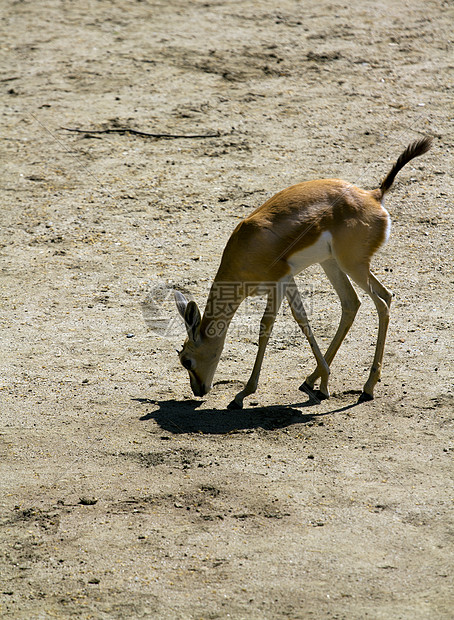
(123, 496)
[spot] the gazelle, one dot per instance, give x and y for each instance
(326, 221)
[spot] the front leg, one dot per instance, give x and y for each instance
(275, 297)
(349, 303)
(299, 314)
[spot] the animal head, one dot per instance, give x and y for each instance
(199, 355)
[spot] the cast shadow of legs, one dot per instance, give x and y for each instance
(179, 417)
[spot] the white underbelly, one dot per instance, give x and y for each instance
(315, 253)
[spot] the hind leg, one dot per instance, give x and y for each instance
(381, 297)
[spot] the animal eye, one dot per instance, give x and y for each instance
(187, 363)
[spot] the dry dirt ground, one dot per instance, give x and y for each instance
(122, 496)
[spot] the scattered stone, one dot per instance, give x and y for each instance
(88, 501)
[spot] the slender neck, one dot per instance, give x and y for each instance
(223, 301)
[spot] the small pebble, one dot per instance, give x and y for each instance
(88, 501)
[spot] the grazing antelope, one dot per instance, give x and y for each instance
(326, 221)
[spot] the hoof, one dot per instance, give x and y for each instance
(315, 395)
(365, 397)
(305, 387)
(234, 405)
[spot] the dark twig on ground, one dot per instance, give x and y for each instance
(145, 134)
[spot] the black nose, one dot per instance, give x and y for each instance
(199, 390)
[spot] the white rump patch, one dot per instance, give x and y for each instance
(388, 225)
(315, 253)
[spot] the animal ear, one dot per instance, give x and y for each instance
(190, 313)
(192, 319)
(181, 302)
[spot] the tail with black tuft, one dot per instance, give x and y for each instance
(415, 149)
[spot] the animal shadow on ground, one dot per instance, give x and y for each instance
(179, 417)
